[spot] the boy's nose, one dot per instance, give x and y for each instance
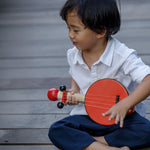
(71, 35)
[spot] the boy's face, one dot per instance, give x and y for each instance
(82, 37)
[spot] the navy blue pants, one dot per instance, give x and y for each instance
(75, 132)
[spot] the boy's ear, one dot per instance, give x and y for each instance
(100, 35)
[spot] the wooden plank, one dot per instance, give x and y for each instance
(135, 38)
(27, 147)
(135, 24)
(33, 83)
(32, 49)
(141, 14)
(148, 107)
(36, 5)
(33, 63)
(35, 147)
(28, 121)
(34, 73)
(31, 18)
(32, 108)
(24, 136)
(148, 116)
(38, 32)
(23, 95)
(146, 59)
(147, 102)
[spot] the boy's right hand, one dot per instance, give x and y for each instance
(71, 99)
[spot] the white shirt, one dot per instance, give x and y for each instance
(117, 62)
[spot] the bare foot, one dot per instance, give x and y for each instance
(101, 140)
(125, 148)
(101, 146)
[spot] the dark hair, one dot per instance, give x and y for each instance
(97, 15)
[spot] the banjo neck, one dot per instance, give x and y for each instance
(79, 97)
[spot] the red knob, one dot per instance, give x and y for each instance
(52, 94)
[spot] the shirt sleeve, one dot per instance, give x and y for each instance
(135, 68)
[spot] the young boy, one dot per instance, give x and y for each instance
(97, 55)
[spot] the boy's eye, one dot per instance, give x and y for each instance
(76, 31)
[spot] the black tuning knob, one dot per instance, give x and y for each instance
(60, 105)
(62, 88)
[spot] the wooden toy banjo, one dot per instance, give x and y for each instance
(99, 98)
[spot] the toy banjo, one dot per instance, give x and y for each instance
(99, 98)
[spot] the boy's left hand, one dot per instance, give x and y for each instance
(118, 111)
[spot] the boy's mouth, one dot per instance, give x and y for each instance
(74, 43)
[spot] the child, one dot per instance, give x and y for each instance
(97, 55)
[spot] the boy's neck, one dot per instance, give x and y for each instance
(91, 56)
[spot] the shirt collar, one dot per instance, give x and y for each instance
(78, 57)
(106, 57)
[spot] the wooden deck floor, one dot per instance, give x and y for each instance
(33, 44)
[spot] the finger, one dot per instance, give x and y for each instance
(106, 113)
(112, 116)
(71, 92)
(67, 102)
(69, 98)
(73, 98)
(121, 122)
(70, 102)
(74, 101)
(117, 119)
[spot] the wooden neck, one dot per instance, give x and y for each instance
(79, 97)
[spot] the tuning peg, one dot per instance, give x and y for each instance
(62, 88)
(60, 105)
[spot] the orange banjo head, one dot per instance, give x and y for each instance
(101, 96)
